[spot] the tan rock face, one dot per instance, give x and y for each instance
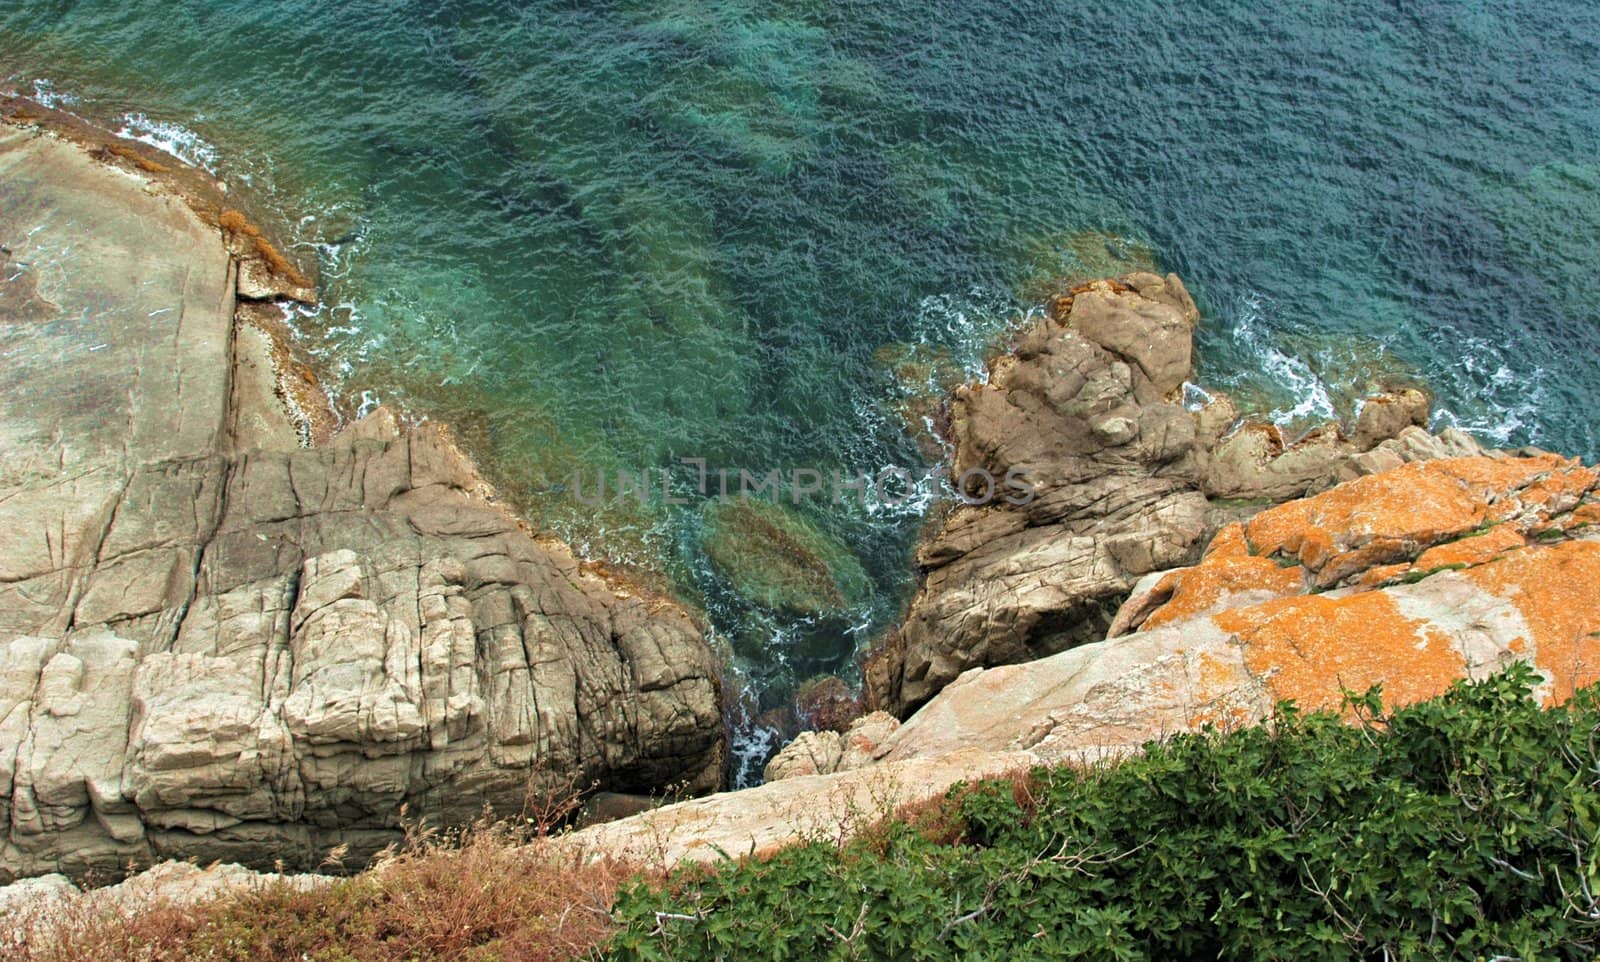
(1082, 409)
(757, 821)
(824, 752)
(1086, 408)
(255, 655)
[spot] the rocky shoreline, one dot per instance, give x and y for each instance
(218, 644)
(234, 629)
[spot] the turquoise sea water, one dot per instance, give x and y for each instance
(608, 235)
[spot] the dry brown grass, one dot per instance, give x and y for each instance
(487, 894)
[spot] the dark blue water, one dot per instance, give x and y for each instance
(599, 235)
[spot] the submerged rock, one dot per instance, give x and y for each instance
(776, 558)
(217, 644)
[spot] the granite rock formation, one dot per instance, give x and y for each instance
(217, 644)
(1125, 480)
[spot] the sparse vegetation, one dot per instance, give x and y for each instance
(489, 894)
(108, 152)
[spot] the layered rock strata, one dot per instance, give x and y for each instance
(217, 644)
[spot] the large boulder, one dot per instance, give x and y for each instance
(217, 644)
(1125, 480)
(1084, 409)
(776, 558)
(1411, 580)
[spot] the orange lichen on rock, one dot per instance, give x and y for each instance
(1311, 647)
(1415, 503)
(1583, 514)
(1408, 522)
(1230, 542)
(1476, 550)
(1561, 490)
(1557, 591)
(1221, 684)
(1490, 478)
(1207, 587)
(1381, 575)
(1388, 517)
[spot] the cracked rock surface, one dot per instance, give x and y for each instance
(1126, 480)
(219, 646)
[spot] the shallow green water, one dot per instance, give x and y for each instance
(611, 235)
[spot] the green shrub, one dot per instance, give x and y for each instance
(1461, 828)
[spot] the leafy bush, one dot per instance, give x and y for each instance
(1461, 828)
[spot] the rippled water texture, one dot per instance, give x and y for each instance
(608, 235)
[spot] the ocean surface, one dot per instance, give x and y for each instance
(612, 235)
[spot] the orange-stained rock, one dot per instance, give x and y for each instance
(1214, 651)
(1585, 514)
(1312, 648)
(1472, 551)
(1367, 532)
(1414, 504)
(1381, 575)
(1230, 542)
(1223, 582)
(1557, 590)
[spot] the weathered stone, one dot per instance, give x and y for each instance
(1235, 639)
(1125, 482)
(30, 908)
(1109, 457)
(1383, 416)
(257, 282)
(811, 753)
(1227, 648)
(226, 646)
(824, 752)
(758, 821)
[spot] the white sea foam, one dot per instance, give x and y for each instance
(1195, 397)
(966, 324)
(46, 94)
(1313, 398)
(1511, 400)
(174, 139)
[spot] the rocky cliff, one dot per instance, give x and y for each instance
(216, 643)
(1153, 587)
(1088, 406)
